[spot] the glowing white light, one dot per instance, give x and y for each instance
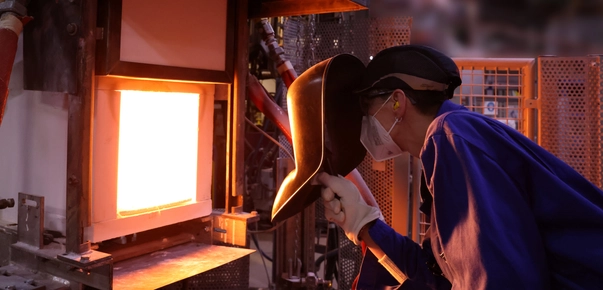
(157, 159)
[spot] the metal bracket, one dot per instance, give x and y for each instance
(87, 260)
(14, 7)
(30, 227)
(231, 229)
(531, 104)
(88, 267)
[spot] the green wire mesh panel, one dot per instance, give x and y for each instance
(570, 112)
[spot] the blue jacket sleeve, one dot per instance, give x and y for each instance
(406, 254)
(488, 237)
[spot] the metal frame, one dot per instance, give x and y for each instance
(79, 132)
(524, 65)
(235, 138)
(76, 261)
(570, 98)
(108, 56)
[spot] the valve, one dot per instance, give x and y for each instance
(4, 203)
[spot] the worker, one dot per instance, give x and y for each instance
(504, 212)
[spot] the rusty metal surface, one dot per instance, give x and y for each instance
(79, 128)
(165, 267)
(50, 45)
(31, 219)
(15, 277)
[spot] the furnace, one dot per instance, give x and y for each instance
(151, 102)
(130, 156)
(152, 145)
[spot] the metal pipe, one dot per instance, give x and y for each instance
(258, 95)
(10, 28)
(277, 53)
(4, 203)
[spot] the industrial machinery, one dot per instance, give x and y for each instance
(131, 155)
(143, 146)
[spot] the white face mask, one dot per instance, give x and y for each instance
(377, 140)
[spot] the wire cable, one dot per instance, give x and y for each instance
(278, 225)
(254, 238)
(270, 137)
(262, 256)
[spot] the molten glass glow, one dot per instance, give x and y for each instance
(157, 159)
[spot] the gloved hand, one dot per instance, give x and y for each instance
(350, 212)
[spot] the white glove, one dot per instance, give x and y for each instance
(350, 212)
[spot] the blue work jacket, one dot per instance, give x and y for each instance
(505, 214)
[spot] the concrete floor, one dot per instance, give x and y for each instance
(258, 279)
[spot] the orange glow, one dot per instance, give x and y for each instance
(157, 159)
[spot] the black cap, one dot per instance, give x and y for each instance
(414, 67)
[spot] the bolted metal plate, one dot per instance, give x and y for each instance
(30, 227)
(86, 260)
(570, 112)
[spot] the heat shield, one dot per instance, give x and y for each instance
(325, 119)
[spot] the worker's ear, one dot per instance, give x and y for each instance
(400, 104)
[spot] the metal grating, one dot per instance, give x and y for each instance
(234, 275)
(387, 32)
(307, 41)
(381, 184)
(493, 91)
(350, 258)
(570, 112)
